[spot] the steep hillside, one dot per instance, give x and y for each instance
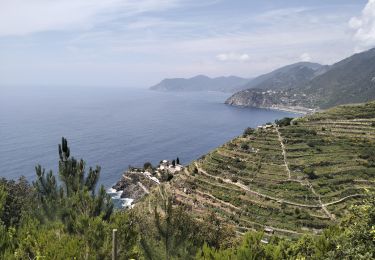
(294, 178)
(287, 77)
(351, 80)
(202, 83)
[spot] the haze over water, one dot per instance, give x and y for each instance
(114, 127)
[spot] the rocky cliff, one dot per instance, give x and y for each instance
(134, 185)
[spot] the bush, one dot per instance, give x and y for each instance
(147, 165)
(369, 155)
(234, 178)
(244, 146)
(284, 121)
(248, 131)
(310, 173)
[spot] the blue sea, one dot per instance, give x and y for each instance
(114, 127)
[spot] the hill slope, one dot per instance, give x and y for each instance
(202, 83)
(295, 178)
(351, 80)
(287, 77)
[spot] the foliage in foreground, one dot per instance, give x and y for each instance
(353, 238)
(71, 220)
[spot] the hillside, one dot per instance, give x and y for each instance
(287, 77)
(201, 83)
(351, 80)
(295, 178)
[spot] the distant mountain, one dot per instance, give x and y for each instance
(290, 76)
(310, 85)
(202, 83)
(351, 80)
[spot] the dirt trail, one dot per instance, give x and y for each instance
(284, 152)
(329, 214)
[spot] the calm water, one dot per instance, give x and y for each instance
(114, 127)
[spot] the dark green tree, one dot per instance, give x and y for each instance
(147, 166)
(19, 200)
(77, 192)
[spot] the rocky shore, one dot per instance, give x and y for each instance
(277, 100)
(138, 182)
(134, 185)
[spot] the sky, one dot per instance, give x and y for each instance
(137, 43)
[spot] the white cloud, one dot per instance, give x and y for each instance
(364, 27)
(22, 17)
(305, 57)
(232, 56)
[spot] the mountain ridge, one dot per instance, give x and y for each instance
(201, 83)
(351, 80)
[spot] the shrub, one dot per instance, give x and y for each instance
(147, 165)
(234, 178)
(248, 131)
(284, 121)
(310, 173)
(369, 155)
(244, 146)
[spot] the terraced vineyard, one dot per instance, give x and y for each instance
(295, 179)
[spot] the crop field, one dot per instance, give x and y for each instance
(295, 178)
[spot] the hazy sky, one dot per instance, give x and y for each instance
(139, 42)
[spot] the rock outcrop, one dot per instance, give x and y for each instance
(134, 185)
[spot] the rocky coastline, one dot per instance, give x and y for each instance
(275, 100)
(136, 183)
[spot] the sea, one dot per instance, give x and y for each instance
(115, 127)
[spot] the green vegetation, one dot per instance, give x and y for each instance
(354, 238)
(293, 191)
(248, 131)
(284, 121)
(61, 220)
(297, 178)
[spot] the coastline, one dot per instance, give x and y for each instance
(292, 109)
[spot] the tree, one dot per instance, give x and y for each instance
(248, 131)
(77, 193)
(18, 200)
(147, 166)
(245, 146)
(310, 173)
(171, 233)
(284, 121)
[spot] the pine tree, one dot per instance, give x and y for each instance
(77, 193)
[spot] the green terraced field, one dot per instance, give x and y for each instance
(297, 178)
